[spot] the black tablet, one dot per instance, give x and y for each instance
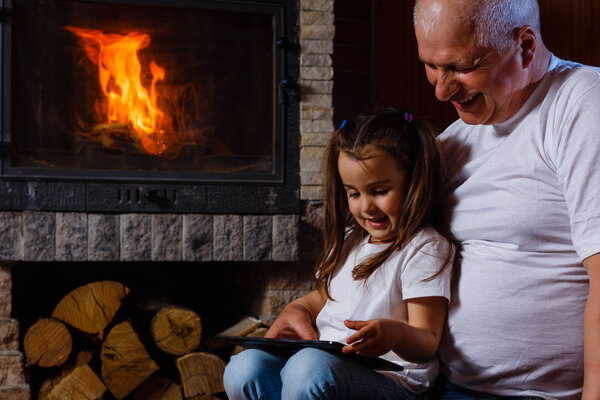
(290, 346)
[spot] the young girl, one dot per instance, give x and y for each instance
(383, 278)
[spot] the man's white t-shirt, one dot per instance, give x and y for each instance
(526, 209)
(384, 295)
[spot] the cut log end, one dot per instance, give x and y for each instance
(176, 330)
(47, 343)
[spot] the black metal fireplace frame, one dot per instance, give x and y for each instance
(78, 190)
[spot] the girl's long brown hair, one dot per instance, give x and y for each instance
(415, 148)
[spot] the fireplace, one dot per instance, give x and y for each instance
(254, 226)
(171, 106)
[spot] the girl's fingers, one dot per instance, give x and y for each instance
(356, 325)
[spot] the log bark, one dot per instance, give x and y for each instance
(125, 361)
(47, 343)
(158, 388)
(201, 374)
(81, 384)
(176, 330)
(91, 308)
(241, 328)
(259, 332)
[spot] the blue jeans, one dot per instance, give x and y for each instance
(308, 374)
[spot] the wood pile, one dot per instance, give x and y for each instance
(96, 345)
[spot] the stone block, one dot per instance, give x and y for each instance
(320, 100)
(285, 237)
(316, 60)
(258, 237)
(9, 334)
(316, 46)
(11, 236)
(167, 237)
(136, 237)
(311, 192)
(197, 237)
(320, 32)
(228, 236)
(316, 87)
(316, 18)
(311, 178)
(18, 392)
(314, 139)
(103, 237)
(6, 276)
(314, 112)
(11, 368)
(318, 5)
(316, 126)
(39, 230)
(273, 301)
(311, 165)
(312, 153)
(71, 237)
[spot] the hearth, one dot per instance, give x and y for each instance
(146, 105)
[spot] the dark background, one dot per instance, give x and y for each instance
(376, 61)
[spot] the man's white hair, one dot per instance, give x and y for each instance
(495, 22)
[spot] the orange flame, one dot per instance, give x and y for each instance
(119, 74)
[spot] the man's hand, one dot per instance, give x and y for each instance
(374, 337)
(297, 320)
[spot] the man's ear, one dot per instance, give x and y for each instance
(526, 38)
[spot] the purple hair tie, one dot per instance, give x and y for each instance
(408, 117)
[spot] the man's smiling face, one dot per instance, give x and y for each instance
(483, 85)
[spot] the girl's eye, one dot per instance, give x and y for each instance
(352, 194)
(380, 192)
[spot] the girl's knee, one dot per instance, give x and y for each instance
(252, 374)
(308, 375)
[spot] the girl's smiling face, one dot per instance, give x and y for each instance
(376, 187)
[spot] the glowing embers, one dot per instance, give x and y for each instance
(129, 110)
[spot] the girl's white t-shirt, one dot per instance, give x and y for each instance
(384, 295)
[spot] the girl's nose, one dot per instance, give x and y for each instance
(367, 205)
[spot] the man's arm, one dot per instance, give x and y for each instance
(591, 331)
(297, 320)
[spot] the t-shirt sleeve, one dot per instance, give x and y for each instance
(425, 258)
(577, 146)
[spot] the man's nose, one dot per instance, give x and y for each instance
(445, 86)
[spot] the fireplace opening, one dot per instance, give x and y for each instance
(147, 92)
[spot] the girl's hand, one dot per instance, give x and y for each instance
(374, 337)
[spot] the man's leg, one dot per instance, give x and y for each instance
(254, 374)
(317, 374)
(444, 390)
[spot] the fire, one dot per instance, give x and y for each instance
(119, 75)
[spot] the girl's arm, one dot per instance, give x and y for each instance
(416, 341)
(297, 320)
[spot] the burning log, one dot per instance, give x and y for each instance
(125, 362)
(158, 388)
(90, 308)
(176, 330)
(47, 343)
(201, 374)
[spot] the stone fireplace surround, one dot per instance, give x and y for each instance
(37, 236)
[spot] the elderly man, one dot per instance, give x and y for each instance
(524, 321)
(525, 316)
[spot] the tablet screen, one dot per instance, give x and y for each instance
(290, 346)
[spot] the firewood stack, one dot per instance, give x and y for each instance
(92, 354)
